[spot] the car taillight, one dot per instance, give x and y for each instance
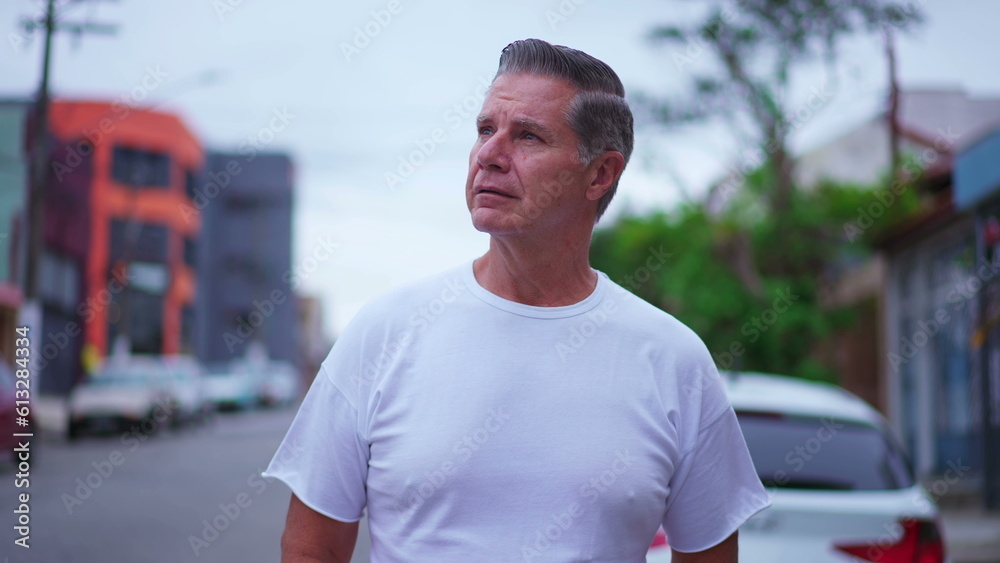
(921, 543)
(660, 539)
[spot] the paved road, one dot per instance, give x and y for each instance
(105, 499)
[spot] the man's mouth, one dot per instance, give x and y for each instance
(496, 191)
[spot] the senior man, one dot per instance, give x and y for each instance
(522, 407)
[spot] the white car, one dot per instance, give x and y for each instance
(120, 396)
(841, 489)
(279, 384)
(230, 386)
(186, 385)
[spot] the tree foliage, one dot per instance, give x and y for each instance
(777, 328)
(747, 266)
(754, 47)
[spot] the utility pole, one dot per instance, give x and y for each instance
(31, 310)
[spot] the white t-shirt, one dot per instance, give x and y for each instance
(474, 428)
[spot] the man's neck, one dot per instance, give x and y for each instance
(542, 274)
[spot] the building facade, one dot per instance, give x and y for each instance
(248, 289)
(941, 330)
(118, 266)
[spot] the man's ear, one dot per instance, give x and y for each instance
(604, 172)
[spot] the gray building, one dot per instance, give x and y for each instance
(246, 297)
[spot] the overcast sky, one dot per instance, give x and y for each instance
(366, 87)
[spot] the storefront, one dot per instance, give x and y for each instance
(977, 190)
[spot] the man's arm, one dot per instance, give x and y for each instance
(311, 537)
(725, 552)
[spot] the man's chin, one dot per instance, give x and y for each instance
(491, 222)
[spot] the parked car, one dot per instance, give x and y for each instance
(841, 489)
(9, 412)
(230, 386)
(279, 384)
(122, 394)
(186, 386)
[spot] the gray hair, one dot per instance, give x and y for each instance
(598, 114)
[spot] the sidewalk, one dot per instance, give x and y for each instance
(971, 535)
(50, 415)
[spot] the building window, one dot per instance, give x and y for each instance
(139, 168)
(191, 251)
(138, 241)
(143, 313)
(242, 203)
(187, 330)
(189, 184)
(59, 281)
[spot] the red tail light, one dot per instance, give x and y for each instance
(921, 543)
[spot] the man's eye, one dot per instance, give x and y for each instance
(532, 137)
(485, 130)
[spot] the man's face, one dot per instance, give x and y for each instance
(525, 175)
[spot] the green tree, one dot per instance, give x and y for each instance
(758, 244)
(756, 45)
(776, 327)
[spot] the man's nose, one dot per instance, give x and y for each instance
(493, 154)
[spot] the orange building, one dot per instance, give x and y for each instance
(132, 172)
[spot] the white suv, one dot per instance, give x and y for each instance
(841, 490)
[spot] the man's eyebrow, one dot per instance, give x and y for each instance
(535, 126)
(525, 123)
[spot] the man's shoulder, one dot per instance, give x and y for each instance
(653, 319)
(647, 321)
(402, 301)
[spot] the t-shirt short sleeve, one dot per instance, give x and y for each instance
(323, 458)
(714, 489)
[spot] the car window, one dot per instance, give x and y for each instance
(117, 380)
(124, 375)
(800, 452)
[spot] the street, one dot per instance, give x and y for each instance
(196, 495)
(187, 495)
